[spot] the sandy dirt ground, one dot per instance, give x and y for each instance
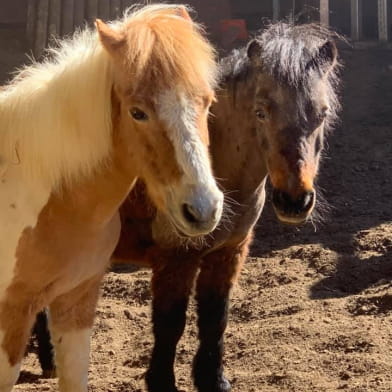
(313, 308)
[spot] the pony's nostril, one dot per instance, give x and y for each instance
(293, 206)
(280, 199)
(197, 216)
(190, 214)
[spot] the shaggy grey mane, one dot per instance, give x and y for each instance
(234, 66)
(290, 54)
(288, 50)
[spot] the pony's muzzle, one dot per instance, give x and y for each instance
(202, 214)
(293, 210)
(195, 210)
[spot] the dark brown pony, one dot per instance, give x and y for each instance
(276, 100)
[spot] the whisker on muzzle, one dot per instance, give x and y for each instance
(322, 210)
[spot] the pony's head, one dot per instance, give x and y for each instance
(164, 78)
(295, 102)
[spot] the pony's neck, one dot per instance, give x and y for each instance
(237, 157)
(96, 199)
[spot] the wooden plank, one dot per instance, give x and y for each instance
(91, 11)
(79, 6)
(67, 17)
(54, 19)
(275, 10)
(31, 18)
(324, 12)
(356, 20)
(115, 9)
(382, 20)
(104, 9)
(41, 33)
(125, 4)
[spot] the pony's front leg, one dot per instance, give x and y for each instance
(219, 271)
(71, 320)
(16, 320)
(171, 286)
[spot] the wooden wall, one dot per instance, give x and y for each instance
(12, 12)
(48, 18)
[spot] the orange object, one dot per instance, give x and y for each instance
(233, 29)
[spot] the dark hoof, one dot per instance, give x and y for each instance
(224, 385)
(221, 385)
(163, 389)
(155, 384)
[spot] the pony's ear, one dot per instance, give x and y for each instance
(183, 12)
(325, 58)
(111, 39)
(254, 50)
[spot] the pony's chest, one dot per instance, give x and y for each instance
(20, 207)
(58, 254)
(44, 244)
(82, 256)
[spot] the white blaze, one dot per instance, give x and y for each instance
(180, 117)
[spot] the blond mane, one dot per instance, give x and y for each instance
(170, 47)
(55, 116)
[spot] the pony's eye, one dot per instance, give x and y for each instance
(260, 114)
(138, 114)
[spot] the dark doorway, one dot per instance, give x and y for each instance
(369, 20)
(340, 16)
(389, 5)
(301, 11)
(256, 13)
(307, 11)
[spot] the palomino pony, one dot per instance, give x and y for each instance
(76, 132)
(276, 99)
